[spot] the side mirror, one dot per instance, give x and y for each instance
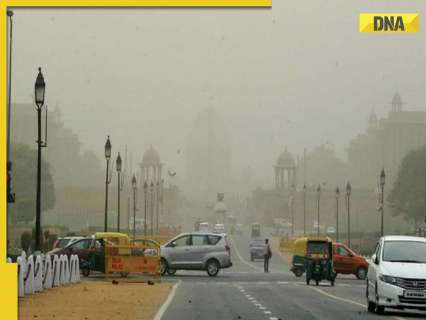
(374, 259)
(351, 255)
(172, 244)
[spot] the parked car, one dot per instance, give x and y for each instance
(397, 274)
(219, 228)
(62, 242)
(346, 261)
(196, 251)
(79, 247)
(257, 247)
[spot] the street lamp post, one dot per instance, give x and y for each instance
(39, 90)
(107, 181)
(145, 190)
(318, 207)
(134, 187)
(10, 195)
(157, 208)
(382, 202)
(118, 164)
(337, 213)
(152, 208)
(304, 209)
(348, 194)
(291, 204)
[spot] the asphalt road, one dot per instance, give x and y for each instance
(245, 292)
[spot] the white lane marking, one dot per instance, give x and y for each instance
(282, 282)
(337, 298)
(273, 318)
(267, 312)
(241, 258)
(262, 308)
(166, 304)
(345, 300)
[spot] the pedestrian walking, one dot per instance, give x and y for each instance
(267, 254)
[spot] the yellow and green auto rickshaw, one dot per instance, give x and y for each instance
(96, 257)
(319, 260)
(304, 254)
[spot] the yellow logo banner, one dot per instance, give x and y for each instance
(389, 22)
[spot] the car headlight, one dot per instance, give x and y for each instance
(387, 279)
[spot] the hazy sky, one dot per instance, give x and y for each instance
(299, 74)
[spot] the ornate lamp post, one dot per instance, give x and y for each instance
(134, 187)
(337, 213)
(304, 209)
(145, 190)
(348, 195)
(291, 205)
(39, 90)
(318, 207)
(382, 202)
(118, 164)
(107, 181)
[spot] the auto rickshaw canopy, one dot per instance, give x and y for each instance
(300, 244)
(117, 238)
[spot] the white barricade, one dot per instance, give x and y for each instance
(77, 270)
(44, 272)
(56, 268)
(47, 276)
(29, 276)
(22, 267)
(64, 277)
(38, 274)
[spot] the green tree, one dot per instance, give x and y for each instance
(407, 197)
(24, 179)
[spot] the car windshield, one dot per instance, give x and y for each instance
(404, 251)
(62, 243)
(257, 243)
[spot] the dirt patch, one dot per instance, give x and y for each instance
(93, 300)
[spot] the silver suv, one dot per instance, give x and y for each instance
(196, 251)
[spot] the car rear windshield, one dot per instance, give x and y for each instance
(404, 251)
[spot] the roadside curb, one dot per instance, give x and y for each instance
(166, 303)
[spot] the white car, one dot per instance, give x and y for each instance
(397, 274)
(219, 228)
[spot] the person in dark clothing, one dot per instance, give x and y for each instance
(267, 254)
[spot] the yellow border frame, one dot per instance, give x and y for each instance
(8, 271)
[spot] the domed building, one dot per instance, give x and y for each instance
(151, 166)
(285, 170)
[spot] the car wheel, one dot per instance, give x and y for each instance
(361, 273)
(85, 271)
(298, 273)
(379, 309)
(212, 267)
(163, 267)
(171, 272)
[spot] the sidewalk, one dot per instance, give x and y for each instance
(93, 300)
